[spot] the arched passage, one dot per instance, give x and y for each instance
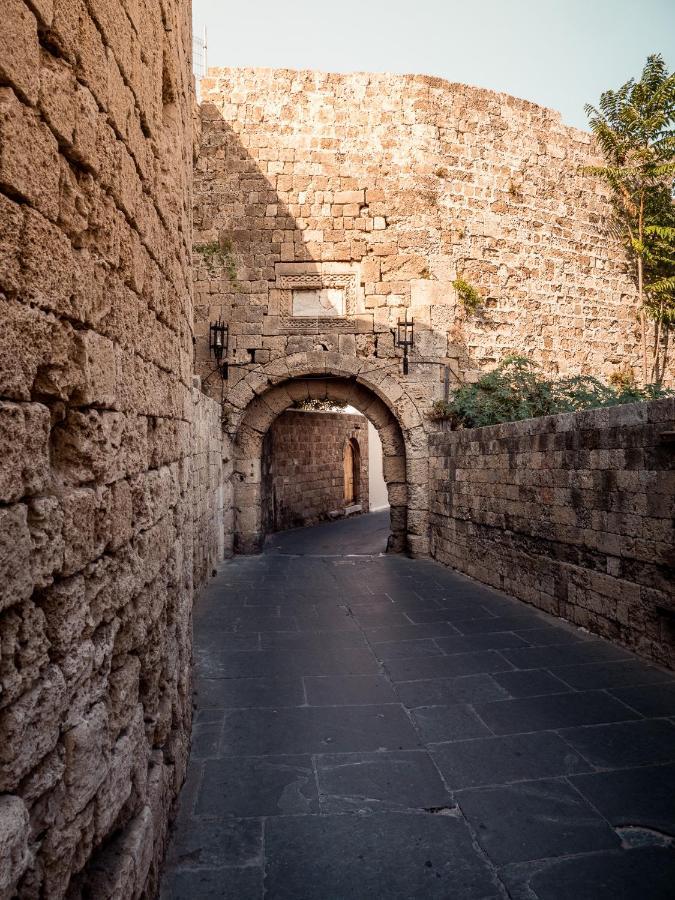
(249, 499)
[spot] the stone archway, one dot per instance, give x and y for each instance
(256, 400)
(248, 489)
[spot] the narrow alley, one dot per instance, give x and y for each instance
(370, 726)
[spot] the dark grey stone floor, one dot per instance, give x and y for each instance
(357, 535)
(377, 727)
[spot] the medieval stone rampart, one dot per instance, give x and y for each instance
(98, 491)
(572, 513)
(404, 183)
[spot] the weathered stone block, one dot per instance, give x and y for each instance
(87, 755)
(99, 375)
(19, 49)
(47, 260)
(23, 650)
(24, 445)
(15, 855)
(31, 727)
(58, 94)
(129, 753)
(33, 175)
(26, 344)
(11, 224)
(16, 582)
(86, 526)
(66, 613)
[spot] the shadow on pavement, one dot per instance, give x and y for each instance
(362, 535)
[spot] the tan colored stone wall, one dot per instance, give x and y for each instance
(572, 513)
(388, 187)
(303, 466)
(406, 182)
(96, 427)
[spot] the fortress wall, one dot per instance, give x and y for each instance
(97, 425)
(406, 182)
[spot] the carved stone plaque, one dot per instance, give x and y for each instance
(320, 303)
(317, 300)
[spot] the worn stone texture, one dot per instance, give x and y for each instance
(408, 182)
(110, 484)
(388, 188)
(118, 470)
(303, 467)
(572, 513)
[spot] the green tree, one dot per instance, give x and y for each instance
(634, 128)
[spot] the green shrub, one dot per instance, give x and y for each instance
(516, 390)
(469, 297)
(219, 255)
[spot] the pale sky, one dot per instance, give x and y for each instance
(560, 53)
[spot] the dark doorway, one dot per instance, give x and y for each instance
(352, 471)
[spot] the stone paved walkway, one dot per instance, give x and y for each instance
(377, 727)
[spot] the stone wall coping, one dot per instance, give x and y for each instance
(430, 81)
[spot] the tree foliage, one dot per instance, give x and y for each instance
(635, 130)
(319, 405)
(516, 390)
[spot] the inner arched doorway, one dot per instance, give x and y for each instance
(351, 464)
(250, 500)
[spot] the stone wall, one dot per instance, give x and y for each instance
(96, 428)
(572, 513)
(373, 193)
(303, 466)
(207, 485)
(388, 187)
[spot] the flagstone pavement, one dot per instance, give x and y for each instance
(370, 726)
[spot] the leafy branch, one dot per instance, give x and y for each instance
(515, 390)
(634, 128)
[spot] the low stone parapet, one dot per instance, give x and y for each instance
(572, 513)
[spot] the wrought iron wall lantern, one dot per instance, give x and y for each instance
(218, 335)
(405, 336)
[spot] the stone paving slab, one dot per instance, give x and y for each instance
(357, 856)
(374, 726)
(502, 760)
(613, 875)
(535, 820)
(365, 782)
